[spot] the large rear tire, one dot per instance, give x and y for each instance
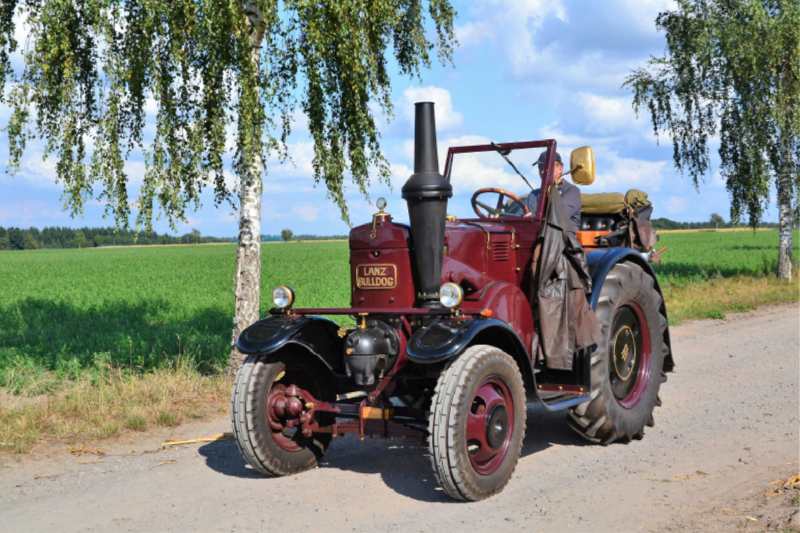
(267, 448)
(627, 366)
(477, 424)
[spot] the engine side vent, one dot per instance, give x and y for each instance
(500, 250)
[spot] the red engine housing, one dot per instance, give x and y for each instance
(484, 258)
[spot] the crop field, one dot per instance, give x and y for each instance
(692, 256)
(68, 310)
(128, 336)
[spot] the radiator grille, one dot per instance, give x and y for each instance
(500, 250)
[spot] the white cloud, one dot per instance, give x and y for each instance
(272, 210)
(627, 173)
(567, 41)
(675, 204)
(478, 170)
(309, 213)
(38, 171)
(608, 115)
(446, 117)
(294, 174)
(151, 106)
(613, 172)
(511, 25)
(34, 211)
(135, 171)
(718, 181)
(473, 33)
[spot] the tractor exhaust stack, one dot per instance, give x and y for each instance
(426, 192)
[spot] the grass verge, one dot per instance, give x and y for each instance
(104, 403)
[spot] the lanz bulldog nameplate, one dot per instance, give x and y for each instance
(374, 277)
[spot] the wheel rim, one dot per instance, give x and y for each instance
(281, 408)
(490, 425)
(629, 353)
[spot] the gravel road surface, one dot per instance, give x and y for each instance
(727, 428)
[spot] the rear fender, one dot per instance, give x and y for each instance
(600, 264)
(317, 335)
(446, 339)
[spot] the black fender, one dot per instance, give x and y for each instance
(317, 335)
(600, 264)
(447, 338)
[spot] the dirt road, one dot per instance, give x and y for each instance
(727, 428)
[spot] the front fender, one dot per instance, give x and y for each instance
(447, 338)
(317, 335)
(600, 264)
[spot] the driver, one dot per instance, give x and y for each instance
(570, 194)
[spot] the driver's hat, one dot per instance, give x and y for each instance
(540, 162)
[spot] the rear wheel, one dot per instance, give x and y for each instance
(477, 424)
(258, 412)
(627, 366)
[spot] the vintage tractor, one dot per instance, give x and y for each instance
(445, 349)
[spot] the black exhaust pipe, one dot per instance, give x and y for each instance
(426, 192)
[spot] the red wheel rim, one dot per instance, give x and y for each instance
(629, 354)
(289, 438)
(490, 425)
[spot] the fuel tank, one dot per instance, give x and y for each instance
(380, 265)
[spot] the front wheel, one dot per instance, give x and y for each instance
(477, 423)
(258, 412)
(627, 366)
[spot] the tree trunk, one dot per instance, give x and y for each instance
(785, 217)
(247, 281)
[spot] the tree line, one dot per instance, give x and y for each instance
(716, 221)
(57, 237)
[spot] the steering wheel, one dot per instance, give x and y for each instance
(494, 212)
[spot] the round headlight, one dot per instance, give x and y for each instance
(451, 295)
(283, 296)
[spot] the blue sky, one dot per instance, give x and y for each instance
(525, 69)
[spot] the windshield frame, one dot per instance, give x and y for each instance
(549, 144)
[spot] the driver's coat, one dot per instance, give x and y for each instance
(571, 197)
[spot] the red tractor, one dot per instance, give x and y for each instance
(450, 342)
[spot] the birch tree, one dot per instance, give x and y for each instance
(226, 77)
(731, 74)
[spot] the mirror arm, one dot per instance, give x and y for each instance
(565, 174)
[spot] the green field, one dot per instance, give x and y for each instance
(66, 312)
(694, 256)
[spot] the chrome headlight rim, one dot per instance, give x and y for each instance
(451, 295)
(288, 296)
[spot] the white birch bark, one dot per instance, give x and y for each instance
(247, 281)
(785, 215)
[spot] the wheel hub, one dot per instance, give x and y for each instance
(497, 426)
(490, 425)
(629, 355)
(624, 352)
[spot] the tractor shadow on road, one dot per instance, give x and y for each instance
(222, 456)
(404, 466)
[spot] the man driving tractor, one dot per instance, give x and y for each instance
(570, 194)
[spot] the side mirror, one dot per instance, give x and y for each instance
(581, 164)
